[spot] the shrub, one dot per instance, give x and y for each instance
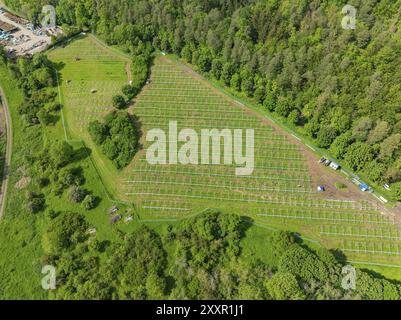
(129, 91)
(284, 286)
(97, 131)
(76, 194)
(36, 205)
(89, 202)
(36, 202)
(119, 102)
(118, 137)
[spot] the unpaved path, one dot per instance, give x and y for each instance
(8, 152)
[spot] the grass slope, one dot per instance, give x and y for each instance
(87, 64)
(280, 193)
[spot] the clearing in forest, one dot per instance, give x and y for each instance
(281, 192)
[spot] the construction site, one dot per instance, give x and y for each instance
(20, 37)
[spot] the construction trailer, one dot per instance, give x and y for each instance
(334, 166)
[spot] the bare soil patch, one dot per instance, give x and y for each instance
(23, 183)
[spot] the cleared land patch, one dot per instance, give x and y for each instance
(280, 193)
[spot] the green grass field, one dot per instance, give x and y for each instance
(279, 194)
(85, 65)
(19, 233)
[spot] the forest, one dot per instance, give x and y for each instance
(203, 261)
(340, 87)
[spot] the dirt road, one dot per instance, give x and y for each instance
(7, 158)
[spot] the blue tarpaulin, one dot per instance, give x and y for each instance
(364, 187)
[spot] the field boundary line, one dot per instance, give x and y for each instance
(376, 264)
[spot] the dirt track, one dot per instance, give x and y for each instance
(7, 158)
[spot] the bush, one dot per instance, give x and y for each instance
(129, 91)
(97, 131)
(63, 232)
(396, 188)
(61, 154)
(326, 137)
(340, 185)
(36, 205)
(71, 176)
(119, 102)
(36, 202)
(76, 194)
(284, 286)
(118, 137)
(89, 202)
(359, 155)
(44, 117)
(303, 263)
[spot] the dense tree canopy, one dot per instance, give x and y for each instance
(118, 137)
(203, 261)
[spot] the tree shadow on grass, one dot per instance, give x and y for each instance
(57, 67)
(138, 126)
(81, 154)
(104, 245)
(245, 224)
(339, 255)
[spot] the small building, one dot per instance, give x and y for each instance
(321, 188)
(334, 166)
(386, 186)
(113, 209)
(364, 187)
(115, 219)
